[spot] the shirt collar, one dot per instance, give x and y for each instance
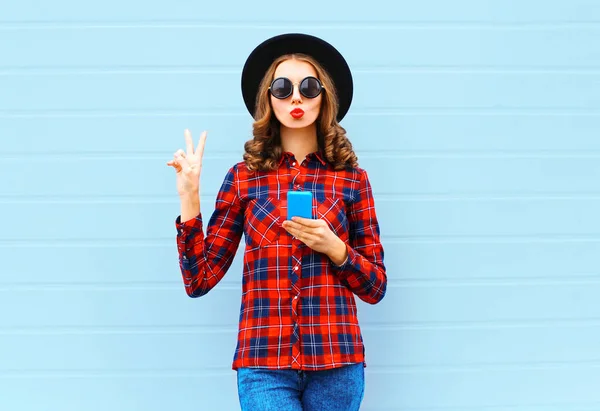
(317, 154)
(320, 157)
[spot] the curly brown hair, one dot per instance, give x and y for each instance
(264, 151)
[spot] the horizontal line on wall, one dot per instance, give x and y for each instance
(354, 25)
(92, 242)
(477, 69)
(521, 366)
(206, 371)
(362, 112)
(123, 330)
(380, 196)
(366, 326)
(574, 279)
(389, 239)
(236, 285)
(216, 370)
(107, 286)
(493, 239)
(477, 325)
(234, 70)
(110, 70)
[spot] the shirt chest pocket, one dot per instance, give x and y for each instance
(333, 211)
(263, 225)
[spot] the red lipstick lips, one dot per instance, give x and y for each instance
(297, 113)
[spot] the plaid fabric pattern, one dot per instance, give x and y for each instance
(298, 308)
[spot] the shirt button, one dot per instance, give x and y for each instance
(295, 297)
(294, 163)
(296, 268)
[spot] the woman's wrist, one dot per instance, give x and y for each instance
(189, 195)
(190, 206)
(339, 253)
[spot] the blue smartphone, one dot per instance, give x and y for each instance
(299, 204)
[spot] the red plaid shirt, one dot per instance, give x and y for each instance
(298, 308)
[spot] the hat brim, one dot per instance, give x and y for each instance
(329, 57)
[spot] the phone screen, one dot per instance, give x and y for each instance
(299, 204)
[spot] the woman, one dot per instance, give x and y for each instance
(299, 341)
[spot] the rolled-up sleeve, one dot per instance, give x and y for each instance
(364, 270)
(205, 259)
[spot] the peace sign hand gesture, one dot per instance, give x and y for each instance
(188, 165)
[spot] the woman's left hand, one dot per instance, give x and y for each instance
(317, 235)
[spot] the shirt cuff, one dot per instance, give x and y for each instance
(189, 227)
(350, 259)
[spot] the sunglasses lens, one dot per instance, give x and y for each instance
(281, 88)
(310, 87)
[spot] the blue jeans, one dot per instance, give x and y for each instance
(292, 390)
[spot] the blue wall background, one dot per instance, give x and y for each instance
(478, 122)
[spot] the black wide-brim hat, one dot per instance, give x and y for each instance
(329, 57)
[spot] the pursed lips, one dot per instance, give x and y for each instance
(297, 113)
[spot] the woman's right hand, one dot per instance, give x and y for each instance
(188, 165)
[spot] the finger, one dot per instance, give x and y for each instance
(201, 143)
(182, 161)
(175, 165)
(308, 222)
(306, 238)
(189, 144)
(291, 228)
(186, 165)
(297, 230)
(287, 224)
(304, 228)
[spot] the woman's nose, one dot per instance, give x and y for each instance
(296, 96)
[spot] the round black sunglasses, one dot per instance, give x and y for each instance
(309, 87)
